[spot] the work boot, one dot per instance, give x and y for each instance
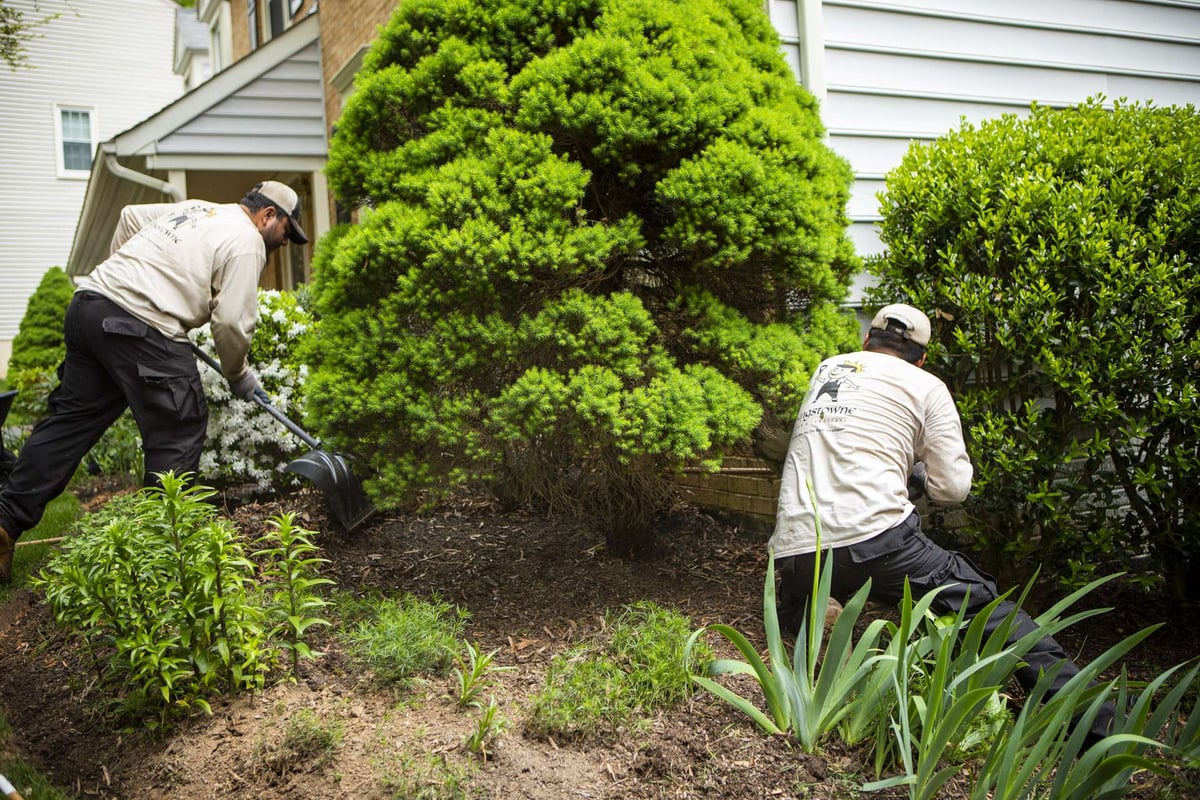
(7, 548)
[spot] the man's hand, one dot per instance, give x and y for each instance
(916, 481)
(245, 386)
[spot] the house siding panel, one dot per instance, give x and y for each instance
(280, 113)
(907, 71)
(86, 57)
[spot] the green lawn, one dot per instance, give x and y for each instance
(59, 520)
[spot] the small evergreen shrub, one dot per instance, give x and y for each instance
(245, 444)
(603, 236)
(38, 347)
(39, 344)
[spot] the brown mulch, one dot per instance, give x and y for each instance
(534, 585)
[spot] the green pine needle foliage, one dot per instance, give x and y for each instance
(597, 240)
(38, 347)
(39, 344)
(1060, 253)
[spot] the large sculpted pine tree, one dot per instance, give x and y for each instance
(599, 239)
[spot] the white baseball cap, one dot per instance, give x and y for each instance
(286, 198)
(904, 320)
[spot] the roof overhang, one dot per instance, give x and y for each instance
(225, 124)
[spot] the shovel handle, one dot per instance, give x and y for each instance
(260, 397)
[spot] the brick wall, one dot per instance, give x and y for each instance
(346, 26)
(746, 489)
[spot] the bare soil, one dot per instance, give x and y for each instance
(533, 585)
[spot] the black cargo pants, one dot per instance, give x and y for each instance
(113, 361)
(905, 552)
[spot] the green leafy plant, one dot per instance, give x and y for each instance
(472, 675)
(1043, 755)
(600, 684)
(488, 727)
(1056, 252)
(159, 586)
(291, 582)
(399, 639)
(809, 696)
(592, 250)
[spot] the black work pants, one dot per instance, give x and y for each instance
(905, 552)
(114, 361)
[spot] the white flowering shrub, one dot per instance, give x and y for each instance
(246, 445)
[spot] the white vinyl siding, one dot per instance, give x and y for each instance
(82, 59)
(785, 16)
(898, 72)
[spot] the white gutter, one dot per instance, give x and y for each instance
(149, 181)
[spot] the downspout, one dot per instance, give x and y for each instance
(149, 181)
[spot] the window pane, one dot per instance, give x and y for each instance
(77, 155)
(75, 125)
(276, 16)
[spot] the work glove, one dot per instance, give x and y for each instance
(916, 481)
(245, 386)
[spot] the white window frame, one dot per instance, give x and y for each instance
(63, 172)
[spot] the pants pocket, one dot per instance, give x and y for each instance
(125, 326)
(172, 391)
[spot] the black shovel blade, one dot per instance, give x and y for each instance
(348, 504)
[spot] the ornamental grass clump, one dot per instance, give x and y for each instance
(402, 638)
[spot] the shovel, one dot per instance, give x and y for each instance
(348, 504)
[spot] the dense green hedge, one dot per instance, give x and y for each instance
(1059, 254)
(600, 238)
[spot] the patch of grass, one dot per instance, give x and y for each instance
(29, 782)
(309, 741)
(24, 778)
(59, 520)
(311, 738)
(427, 776)
(398, 639)
(634, 667)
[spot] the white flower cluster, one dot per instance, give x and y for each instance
(246, 445)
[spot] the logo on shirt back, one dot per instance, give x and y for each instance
(169, 225)
(830, 382)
